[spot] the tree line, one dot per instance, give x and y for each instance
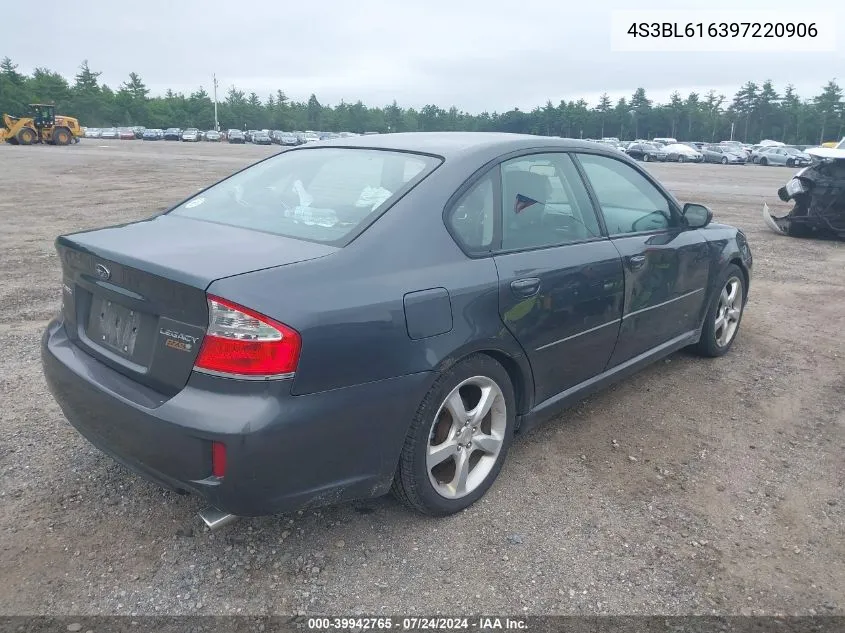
(756, 111)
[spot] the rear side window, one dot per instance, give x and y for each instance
(472, 218)
(323, 195)
(544, 203)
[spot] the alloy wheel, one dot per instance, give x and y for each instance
(728, 312)
(466, 437)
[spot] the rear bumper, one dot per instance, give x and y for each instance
(284, 452)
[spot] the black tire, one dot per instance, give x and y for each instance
(790, 162)
(646, 158)
(27, 136)
(724, 160)
(764, 161)
(411, 483)
(708, 344)
(798, 229)
(62, 136)
(681, 158)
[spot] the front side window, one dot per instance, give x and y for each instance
(629, 202)
(544, 203)
(323, 194)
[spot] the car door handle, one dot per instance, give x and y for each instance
(527, 287)
(635, 262)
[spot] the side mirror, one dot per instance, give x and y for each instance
(696, 216)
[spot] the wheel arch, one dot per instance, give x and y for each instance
(746, 276)
(515, 364)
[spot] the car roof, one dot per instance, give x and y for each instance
(451, 145)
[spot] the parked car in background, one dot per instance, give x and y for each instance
(680, 153)
(614, 145)
(696, 145)
(646, 152)
(173, 134)
(300, 136)
(110, 133)
(288, 139)
(723, 154)
(139, 131)
(310, 137)
(248, 135)
(742, 149)
(261, 138)
(785, 156)
(758, 150)
(153, 134)
(212, 136)
(126, 134)
(191, 135)
(236, 136)
(665, 140)
(92, 132)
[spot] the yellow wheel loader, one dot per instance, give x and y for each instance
(43, 125)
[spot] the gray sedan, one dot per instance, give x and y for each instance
(380, 313)
(785, 156)
(723, 155)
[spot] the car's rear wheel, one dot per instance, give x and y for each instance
(790, 162)
(681, 158)
(458, 439)
(724, 160)
(764, 161)
(724, 315)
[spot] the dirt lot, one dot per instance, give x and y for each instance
(696, 487)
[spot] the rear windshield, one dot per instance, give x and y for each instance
(325, 195)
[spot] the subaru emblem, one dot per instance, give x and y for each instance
(102, 271)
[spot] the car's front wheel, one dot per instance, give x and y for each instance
(646, 158)
(458, 439)
(724, 315)
(724, 160)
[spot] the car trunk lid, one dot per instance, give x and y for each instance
(134, 295)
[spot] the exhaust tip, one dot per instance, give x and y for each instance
(216, 519)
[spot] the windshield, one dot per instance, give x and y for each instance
(324, 195)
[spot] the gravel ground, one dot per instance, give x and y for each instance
(698, 486)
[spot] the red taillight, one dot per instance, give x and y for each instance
(218, 459)
(242, 342)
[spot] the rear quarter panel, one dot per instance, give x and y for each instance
(349, 306)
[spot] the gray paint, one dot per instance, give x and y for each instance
(374, 334)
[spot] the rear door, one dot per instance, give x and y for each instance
(560, 279)
(666, 265)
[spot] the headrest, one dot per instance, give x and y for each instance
(525, 194)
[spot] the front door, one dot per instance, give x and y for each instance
(666, 267)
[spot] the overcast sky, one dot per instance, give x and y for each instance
(478, 55)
